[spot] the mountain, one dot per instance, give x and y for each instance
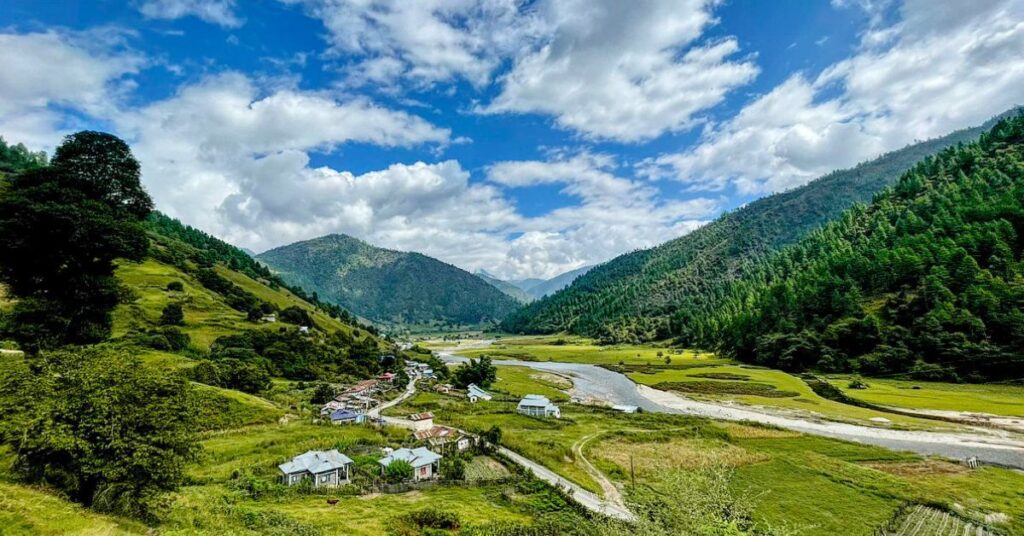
(388, 286)
(528, 283)
(508, 288)
(550, 286)
(927, 280)
(639, 295)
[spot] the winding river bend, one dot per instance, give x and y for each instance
(593, 382)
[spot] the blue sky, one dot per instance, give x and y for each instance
(524, 138)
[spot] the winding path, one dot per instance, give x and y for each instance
(587, 499)
(608, 489)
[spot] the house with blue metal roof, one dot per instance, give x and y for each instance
(475, 393)
(327, 468)
(538, 406)
(425, 463)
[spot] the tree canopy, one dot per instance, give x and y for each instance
(99, 425)
(61, 228)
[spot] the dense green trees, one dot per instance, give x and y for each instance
(61, 228)
(99, 425)
(478, 371)
(636, 296)
(926, 281)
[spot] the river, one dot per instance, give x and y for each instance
(594, 382)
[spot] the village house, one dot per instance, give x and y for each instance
(269, 319)
(538, 406)
(347, 416)
(443, 388)
(475, 393)
(327, 468)
(331, 406)
(425, 463)
(422, 421)
(444, 438)
(388, 377)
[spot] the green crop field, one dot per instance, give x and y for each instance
(999, 399)
(570, 349)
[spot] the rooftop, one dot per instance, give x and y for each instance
(316, 461)
(416, 457)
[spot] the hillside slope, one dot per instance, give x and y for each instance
(928, 279)
(388, 286)
(638, 296)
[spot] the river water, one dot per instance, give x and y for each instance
(596, 383)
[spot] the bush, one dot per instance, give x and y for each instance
(323, 394)
(398, 471)
(175, 286)
(173, 315)
(425, 522)
(296, 315)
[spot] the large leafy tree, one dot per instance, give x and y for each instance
(61, 229)
(99, 425)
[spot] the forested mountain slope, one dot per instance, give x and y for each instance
(639, 295)
(927, 279)
(388, 286)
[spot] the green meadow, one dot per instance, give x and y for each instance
(570, 349)
(997, 399)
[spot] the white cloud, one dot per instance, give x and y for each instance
(604, 68)
(426, 41)
(615, 215)
(623, 71)
(225, 155)
(220, 12)
(937, 69)
(47, 74)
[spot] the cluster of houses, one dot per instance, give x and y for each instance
(415, 368)
(330, 468)
(351, 405)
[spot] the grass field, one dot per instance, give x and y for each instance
(782, 383)
(30, 510)
(817, 485)
(519, 381)
(995, 399)
(569, 349)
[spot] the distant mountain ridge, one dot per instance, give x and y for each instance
(642, 295)
(510, 289)
(388, 286)
(528, 290)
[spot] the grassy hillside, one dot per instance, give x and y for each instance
(637, 296)
(388, 286)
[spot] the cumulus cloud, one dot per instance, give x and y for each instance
(937, 69)
(604, 68)
(624, 71)
(426, 41)
(220, 12)
(49, 73)
(229, 157)
(614, 215)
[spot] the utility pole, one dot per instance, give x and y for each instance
(632, 472)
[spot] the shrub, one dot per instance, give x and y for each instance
(398, 471)
(175, 286)
(173, 315)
